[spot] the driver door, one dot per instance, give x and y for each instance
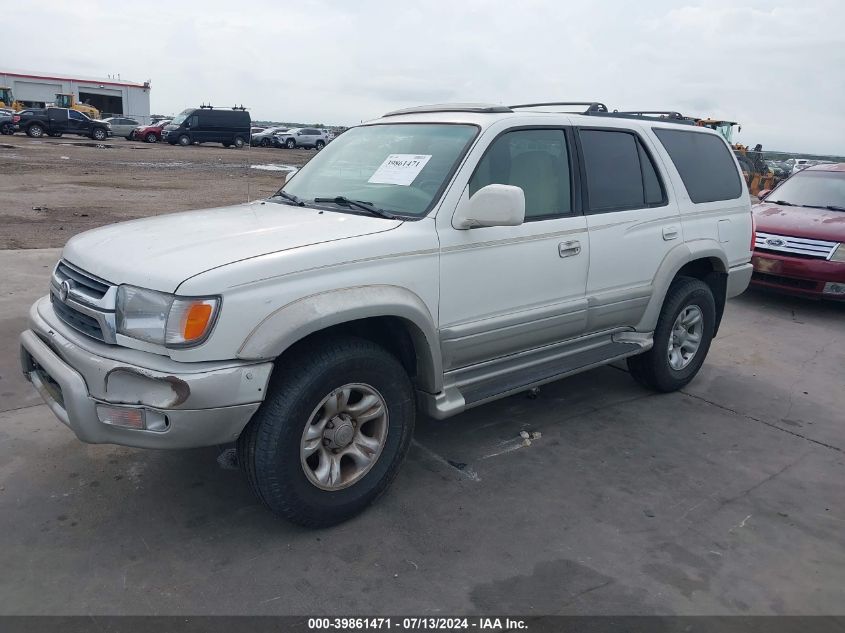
(506, 289)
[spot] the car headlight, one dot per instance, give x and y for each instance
(838, 254)
(165, 319)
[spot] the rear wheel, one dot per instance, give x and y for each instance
(681, 339)
(8, 129)
(151, 138)
(332, 432)
(239, 142)
(35, 131)
(184, 140)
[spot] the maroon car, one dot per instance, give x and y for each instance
(150, 133)
(799, 246)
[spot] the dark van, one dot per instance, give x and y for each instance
(208, 125)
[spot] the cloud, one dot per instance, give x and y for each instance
(776, 68)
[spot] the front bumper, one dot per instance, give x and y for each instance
(805, 277)
(203, 403)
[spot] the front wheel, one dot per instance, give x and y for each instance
(184, 140)
(332, 432)
(151, 138)
(290, 143)
(99, 134)
(320, 145)
(265, 142)
(8, 129)
(681, 339)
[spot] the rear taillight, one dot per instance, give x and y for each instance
(753, 231)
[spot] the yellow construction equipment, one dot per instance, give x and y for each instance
(68, 100)
(7, 99)
(757, 174)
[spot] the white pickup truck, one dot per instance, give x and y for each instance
(432, 260)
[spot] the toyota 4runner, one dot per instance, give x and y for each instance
(435, 259)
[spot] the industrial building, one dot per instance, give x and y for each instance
(110, 96)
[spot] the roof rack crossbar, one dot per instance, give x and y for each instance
(592, 106)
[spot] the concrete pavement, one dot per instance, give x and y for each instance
(727, 498)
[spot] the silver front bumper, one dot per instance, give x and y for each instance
(204, 403)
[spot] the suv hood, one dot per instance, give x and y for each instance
(161, 252)
(807, 222)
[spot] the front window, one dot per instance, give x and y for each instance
(727, 131)
(180, 118)
(811, 188)
(400, 167)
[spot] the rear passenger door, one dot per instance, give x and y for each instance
(632, 223)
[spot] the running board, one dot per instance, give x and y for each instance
(476, 385)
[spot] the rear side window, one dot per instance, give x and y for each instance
(705, 164)
(620, 173)
(537, 161)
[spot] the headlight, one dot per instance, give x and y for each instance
(165, 319)
(838, 254)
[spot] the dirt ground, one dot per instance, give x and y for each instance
(51, 189)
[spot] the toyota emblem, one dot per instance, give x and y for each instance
(773, 241)
(64, 289)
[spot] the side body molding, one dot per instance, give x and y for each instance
(669, 267)
(296, 320)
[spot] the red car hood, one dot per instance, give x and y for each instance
(815, 224)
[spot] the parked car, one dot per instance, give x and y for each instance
(552, 243)
(122, 126)
(37, 122)
(303, 137)
(209, 125)
(800, 237)
(264, 138)
(7, 121)
(150, 133)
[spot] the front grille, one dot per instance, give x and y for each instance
(84, 283)
(802, 246)
(78, 321)
(791, 282)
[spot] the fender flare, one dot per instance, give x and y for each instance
(674, 260)
(296, 320)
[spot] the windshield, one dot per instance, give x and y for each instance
(399, 167)
(726, 130)
(812, 189)
(179, 118)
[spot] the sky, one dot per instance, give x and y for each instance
(776, 66)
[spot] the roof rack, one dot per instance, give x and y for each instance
(453, 107)
(592, 106)
(664, 116)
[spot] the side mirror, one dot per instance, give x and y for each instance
(764, 193)
(493, 205)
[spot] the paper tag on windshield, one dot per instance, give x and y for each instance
(399, 169)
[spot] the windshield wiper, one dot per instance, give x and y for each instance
(783, 202)
(359, 204)
(289, 197)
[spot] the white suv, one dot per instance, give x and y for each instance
(309, 137)
(436, 259)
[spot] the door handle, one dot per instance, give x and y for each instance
(568, 249)
(670, 232)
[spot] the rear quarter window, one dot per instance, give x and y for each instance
(705, 164)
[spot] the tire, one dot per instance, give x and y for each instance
(35, 131)
(265, 142)
(99, 134)
(271, 448)
(290, 143)
(227, 145)
(8, 129)
(184, 140)
(319, 145)
(655, 369)
(151, 138)
(239, 142)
